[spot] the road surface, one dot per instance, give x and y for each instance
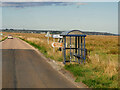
(23, 67)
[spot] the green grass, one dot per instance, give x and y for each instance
(91, 77)
(3, 39)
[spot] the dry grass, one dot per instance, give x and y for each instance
(104, 52)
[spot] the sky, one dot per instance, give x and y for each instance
(85, 16)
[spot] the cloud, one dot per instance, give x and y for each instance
(31, 4)
(81, 3)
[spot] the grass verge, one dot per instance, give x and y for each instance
(42, 49)
(3, 39)
(92, 77)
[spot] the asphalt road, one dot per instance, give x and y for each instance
(23, 67)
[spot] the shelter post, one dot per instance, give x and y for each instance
(78, 49)
(81, 50)
(70, 50)
(64, 49)
(75, 48)
(84, 50)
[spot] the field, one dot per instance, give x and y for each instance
(101, 67)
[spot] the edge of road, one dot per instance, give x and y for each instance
(58, 66)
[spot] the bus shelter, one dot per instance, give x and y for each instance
(74, 46)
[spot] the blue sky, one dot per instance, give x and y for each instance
(85, 16)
